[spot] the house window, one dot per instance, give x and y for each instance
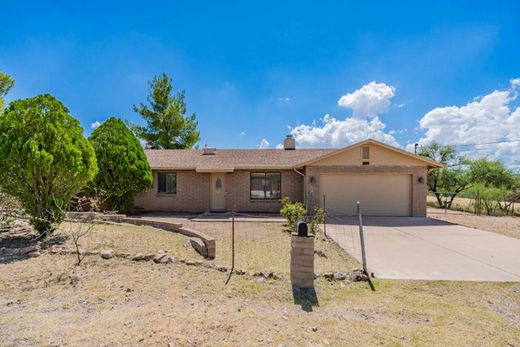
(366, 153)
(167, 182)
(266, 185)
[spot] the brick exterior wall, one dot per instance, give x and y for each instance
(419, 190)
(193, 189)
(238, 188)
(192, 194)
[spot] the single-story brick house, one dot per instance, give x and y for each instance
(386, 180)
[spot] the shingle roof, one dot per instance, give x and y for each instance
(230, 159)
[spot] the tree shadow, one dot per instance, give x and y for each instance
(306, 298)
(15, 240)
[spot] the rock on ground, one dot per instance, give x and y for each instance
(107, 254)
(161, 258)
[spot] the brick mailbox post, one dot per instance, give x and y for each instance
(302, 258)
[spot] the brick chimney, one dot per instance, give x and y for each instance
(289, 143)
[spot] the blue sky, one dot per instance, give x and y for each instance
(251, 70)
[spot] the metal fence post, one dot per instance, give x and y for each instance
(361, 237)
(362, 241)
(233, 238)
(324, 217)
(232, 242)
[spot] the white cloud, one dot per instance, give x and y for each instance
(366, 103)
(370, 100)
(263, 144)
(335, 132)
(489, 118)
(95, 125)
(279, 146)
(242, 133)
(283, 98)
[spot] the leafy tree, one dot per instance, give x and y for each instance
(167, 125)
(491, 173)
(494, 180)
(123, 167)
(450, 180)
(497, 186)
(44, 158)
(6, 83)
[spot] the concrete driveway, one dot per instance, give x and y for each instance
(428, 249)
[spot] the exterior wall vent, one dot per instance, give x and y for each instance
(365, 154)
(208, 150)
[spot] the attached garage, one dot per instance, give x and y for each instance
(379, 194)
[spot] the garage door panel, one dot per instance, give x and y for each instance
(379, 194)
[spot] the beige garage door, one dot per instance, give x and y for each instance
(379, 194)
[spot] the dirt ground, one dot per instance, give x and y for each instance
(49, 301)
(509, 226)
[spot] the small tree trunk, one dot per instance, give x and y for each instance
(439, 199)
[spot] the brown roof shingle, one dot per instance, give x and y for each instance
(230, 159)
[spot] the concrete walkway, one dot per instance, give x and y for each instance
(239, 217)
(428, 249)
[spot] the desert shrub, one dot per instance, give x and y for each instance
(494, 201)
(8, 211)
(317, 218)
(123, 167)
(292, 211)
(44, 158)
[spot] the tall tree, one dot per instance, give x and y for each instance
(44, 158)
(168, 126)
(450, 180)
(123, 167)
(6, 83)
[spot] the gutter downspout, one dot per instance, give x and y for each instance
(304, 191)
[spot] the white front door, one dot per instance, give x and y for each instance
(218, 191)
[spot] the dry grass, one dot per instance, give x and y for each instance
(119, 302)
(133, 239)
(261, 246)
(49, 301)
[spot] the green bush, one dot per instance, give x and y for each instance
(292, 211)
(8, 211)
(44, 158)
(317, 218)
(123, 167)
(493, 201)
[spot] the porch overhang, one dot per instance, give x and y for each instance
(214, 169)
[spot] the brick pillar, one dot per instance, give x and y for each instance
(302, 261)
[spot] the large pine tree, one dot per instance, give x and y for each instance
(168, 126)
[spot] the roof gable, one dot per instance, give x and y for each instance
(380, 154)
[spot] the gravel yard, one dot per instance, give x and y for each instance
(48, 300)
(509, 226)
